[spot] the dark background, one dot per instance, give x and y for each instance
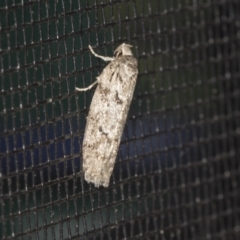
(178, 168)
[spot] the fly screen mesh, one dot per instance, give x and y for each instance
(177, 172)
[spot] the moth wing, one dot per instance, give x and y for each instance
(107, 117)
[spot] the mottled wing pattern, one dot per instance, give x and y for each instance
(107, 117)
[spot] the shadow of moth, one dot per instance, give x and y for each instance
(107, 114)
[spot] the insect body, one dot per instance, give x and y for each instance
(107, 114)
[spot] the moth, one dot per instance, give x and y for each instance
(108, 113)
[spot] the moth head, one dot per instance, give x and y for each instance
(123, 50)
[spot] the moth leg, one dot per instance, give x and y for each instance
(87, 88)
(106, 59)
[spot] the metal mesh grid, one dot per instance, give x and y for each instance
(177, 172)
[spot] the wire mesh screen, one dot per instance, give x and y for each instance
(177, 171)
